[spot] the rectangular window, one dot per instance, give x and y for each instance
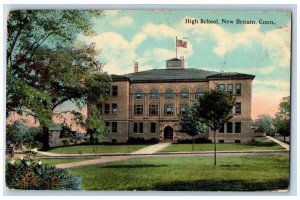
(153, 109)
(141, 127)
(99, 107)
(229, 89)
(238, 108)
(221, 141)
(114, 108)
(153, 127)
(138, 109)
(114, 127)
(238, 89)
(238, 127)
(114, 91)
(221, 87)
(135, 127)
(183, 108)
(221, 130)
(114, 140)
(107, 127)
(237, 141)
(106, 109)
(229, 127)
(169, 109)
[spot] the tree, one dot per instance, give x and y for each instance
(190, 123)
(282, 118)
(214, 109)
(263, 124)
(46, 66)
(96, 128)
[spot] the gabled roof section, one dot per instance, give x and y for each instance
(167, 75)
(231, 75)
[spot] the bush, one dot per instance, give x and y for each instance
(31, 174)
(198, 140)
(142, 141)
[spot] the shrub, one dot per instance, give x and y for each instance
(142, 141)
(31, 174)
(198, 140)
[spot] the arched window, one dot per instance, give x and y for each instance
(153, 94)
(185, 93)
(139, 94)
(169, 94)
(199, 93)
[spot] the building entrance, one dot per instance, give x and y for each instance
(168, 133)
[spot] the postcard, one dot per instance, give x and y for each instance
(148, 100)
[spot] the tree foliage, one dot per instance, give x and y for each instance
(263, 124)
(282, 118)
(190, 123)
(96, 128)
(47, 66)
(214, 109)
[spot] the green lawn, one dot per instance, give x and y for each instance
(260, 143)
(81, 149)
(220, 147)
(250, 173)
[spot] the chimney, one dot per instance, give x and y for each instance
(136, 67)
(182, 61)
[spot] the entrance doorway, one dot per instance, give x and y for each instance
(168, 133)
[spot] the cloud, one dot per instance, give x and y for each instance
(276, 43)
(124, 21)
(111, 13)
(280, 85)
(119, 53)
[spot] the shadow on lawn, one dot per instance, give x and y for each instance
(222, 185)
(131, 166)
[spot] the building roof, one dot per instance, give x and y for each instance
(231, 75)
(187, 74)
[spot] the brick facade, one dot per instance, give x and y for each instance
(147, 105)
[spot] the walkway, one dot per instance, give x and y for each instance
(151, 149)
(107, 159)
(284, 145)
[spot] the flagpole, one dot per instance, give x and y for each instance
(176, 46)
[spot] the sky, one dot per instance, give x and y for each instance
(148, 37)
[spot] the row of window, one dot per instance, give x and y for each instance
(169, 94)
(229, 128)
(153, 109)
(184, 94)
(169, 109)
(114, 126)
(114, 108)
(238, 88)
(139, 127)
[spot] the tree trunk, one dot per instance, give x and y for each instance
(46, 145)
(193, 144)
(96, 148)
(215, 160)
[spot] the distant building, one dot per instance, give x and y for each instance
(147, 104)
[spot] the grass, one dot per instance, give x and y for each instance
(260, 143)
(82, 149)
(252, 173)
